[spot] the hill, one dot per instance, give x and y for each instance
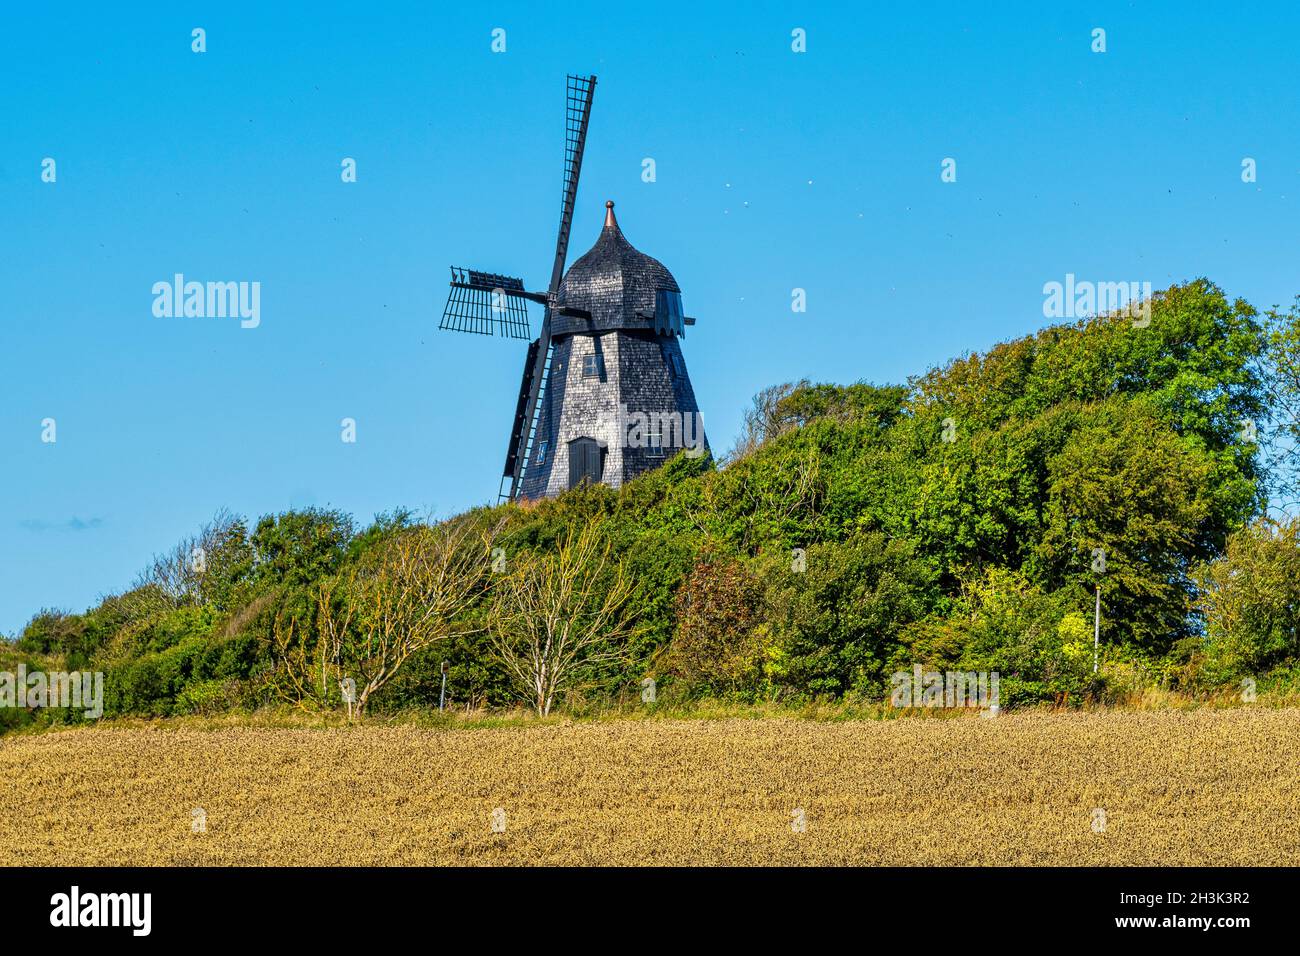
(960, 522)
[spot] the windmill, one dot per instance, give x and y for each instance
(604, 393)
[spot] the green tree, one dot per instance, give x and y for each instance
(1126, 491)
(1280, 434)
(1250, 599)
(300, 546)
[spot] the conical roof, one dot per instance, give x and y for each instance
(613, 280)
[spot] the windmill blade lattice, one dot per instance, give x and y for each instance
(577, 102)
(486, 304)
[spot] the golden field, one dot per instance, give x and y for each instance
(1189, 787)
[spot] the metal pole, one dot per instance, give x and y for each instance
(442, 697)
(1096, 632)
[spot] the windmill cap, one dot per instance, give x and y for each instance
(614, 282)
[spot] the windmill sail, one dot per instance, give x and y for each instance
(579, 92)
(577, 102)
(487, 304)
(521, 409)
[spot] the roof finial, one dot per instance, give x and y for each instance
(610, 221)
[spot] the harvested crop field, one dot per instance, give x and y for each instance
(1200, 787)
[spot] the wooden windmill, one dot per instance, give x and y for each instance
(604, 393)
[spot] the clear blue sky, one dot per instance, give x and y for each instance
(775, 170)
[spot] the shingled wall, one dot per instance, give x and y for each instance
(639, 374)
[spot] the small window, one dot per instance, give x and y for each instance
(541, 452)
(593, 366)
(655, 440)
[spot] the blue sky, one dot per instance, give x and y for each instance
(775, 170)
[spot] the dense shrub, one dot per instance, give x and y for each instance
(837, 611)
(1251, 602)
(717, 645)
(1041, 644)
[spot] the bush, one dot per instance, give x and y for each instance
(207, 698)
(1250, 599)
(1039, 644)
(51, 631)
(155, 684)
(717, 645)
(837, 615)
